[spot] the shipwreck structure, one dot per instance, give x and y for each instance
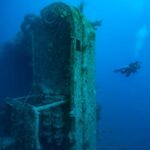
(59, 112)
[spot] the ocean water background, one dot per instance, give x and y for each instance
(123, 38)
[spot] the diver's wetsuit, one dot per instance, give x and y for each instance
(131, 68)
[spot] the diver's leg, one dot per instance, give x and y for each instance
(122, 70)
(128, 73)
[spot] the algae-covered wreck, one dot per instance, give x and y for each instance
(60, 110)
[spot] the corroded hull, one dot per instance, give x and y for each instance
(60, 110)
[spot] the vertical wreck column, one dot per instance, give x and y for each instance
(83, 83)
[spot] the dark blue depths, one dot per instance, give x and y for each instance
(123, 38)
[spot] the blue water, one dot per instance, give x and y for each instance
(123, 38)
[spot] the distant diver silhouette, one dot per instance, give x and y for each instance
(130, 69)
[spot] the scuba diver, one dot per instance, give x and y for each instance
(130, 69)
